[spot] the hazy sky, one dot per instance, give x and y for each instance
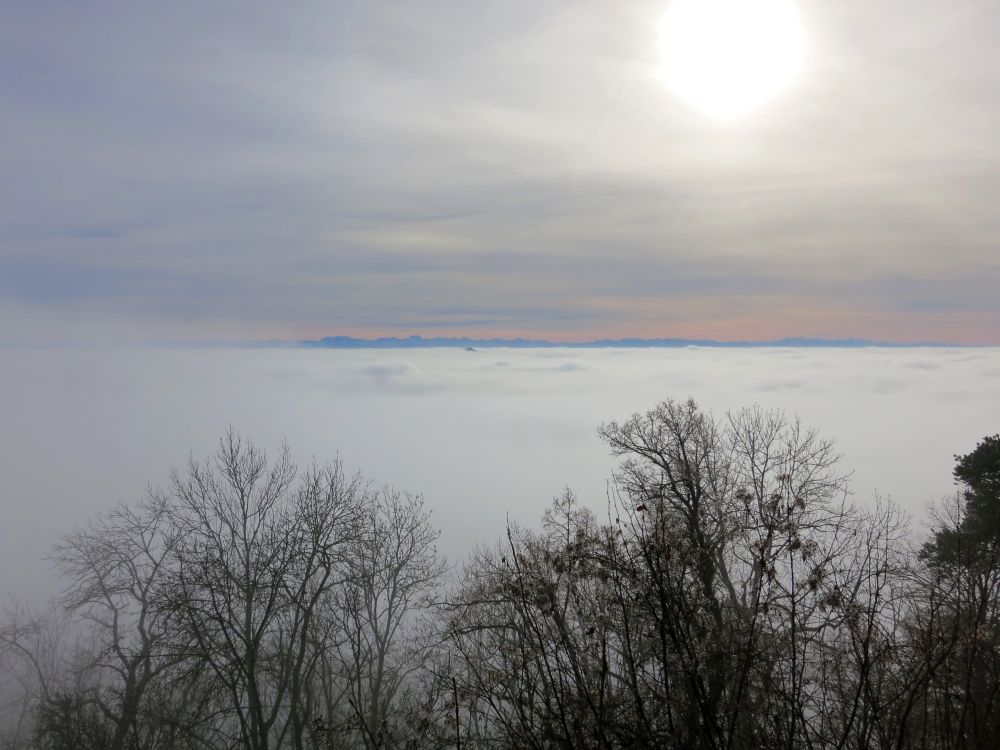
(258, 169)
(482, 434)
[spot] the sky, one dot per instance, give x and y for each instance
(485, 436)
(253, 170)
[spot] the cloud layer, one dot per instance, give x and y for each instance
(482, 434)
(256, 170)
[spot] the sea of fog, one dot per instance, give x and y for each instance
(482, 435)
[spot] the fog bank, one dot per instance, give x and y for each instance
(481, 434)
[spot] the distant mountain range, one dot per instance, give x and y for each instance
(419, 342)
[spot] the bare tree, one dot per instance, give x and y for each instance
(36, 656)
(733, 599)
(115, 570)
(257, 557)
(733, 528)
(249, 605)
(392, 575)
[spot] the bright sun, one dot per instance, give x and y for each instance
(729, 56)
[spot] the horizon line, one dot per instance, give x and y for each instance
(419, 341)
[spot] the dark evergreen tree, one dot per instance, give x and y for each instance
(968, 540)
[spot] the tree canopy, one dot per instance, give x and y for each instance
(973, 530)
(730, 596)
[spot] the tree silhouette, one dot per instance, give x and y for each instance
(968, 538)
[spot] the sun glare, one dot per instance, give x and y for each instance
(728, 57)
